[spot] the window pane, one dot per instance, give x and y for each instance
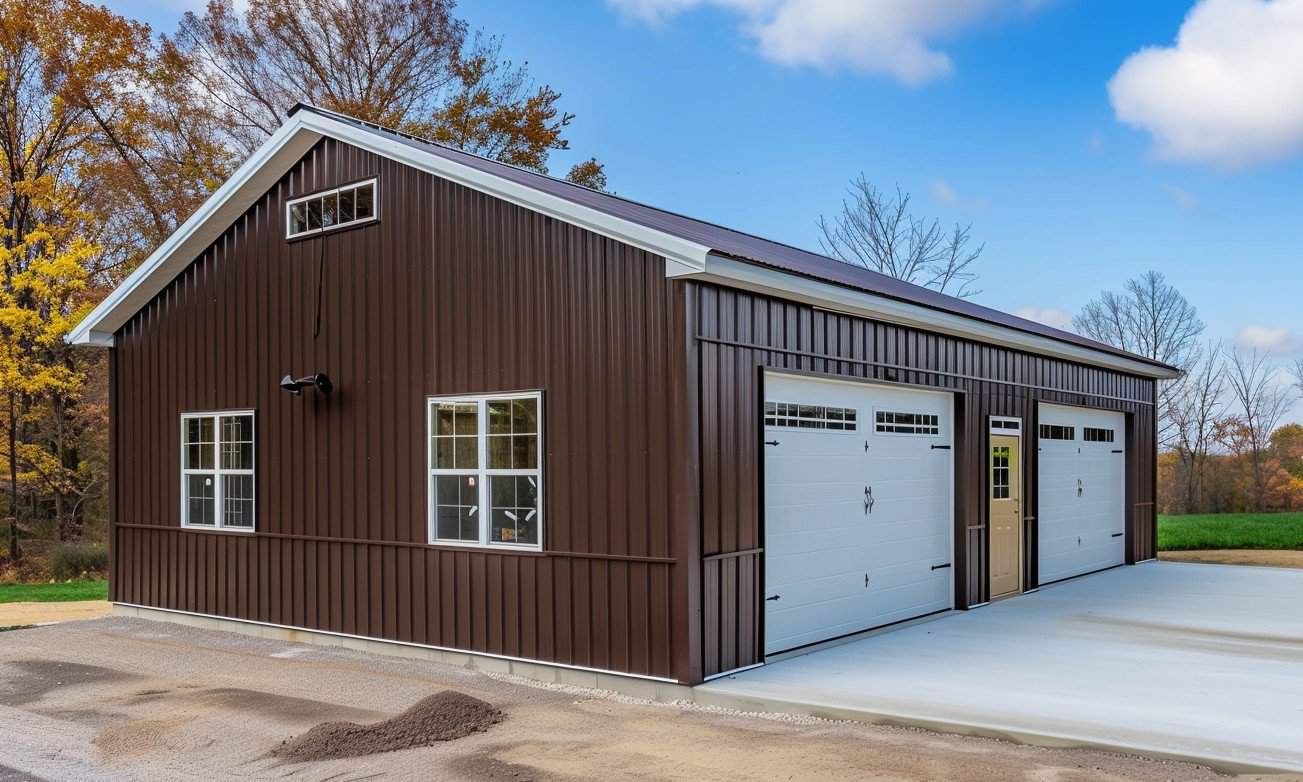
(364, 202)
(237, 442)
(500, 417)
(314, 213)
(524, 416)
(468, 418)
(524, 452)
(329, 210)
(514, 500)
(467, 452)
(346, 206)
(456, 510)
(198, 451)
(443, 420)
(443, 447)
(500, 452)
(298, 218)
(200, 500)
(237, 499)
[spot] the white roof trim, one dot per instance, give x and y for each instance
(684, 258)
(280, 152)
(774, 282)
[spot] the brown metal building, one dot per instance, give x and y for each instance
(524, 419)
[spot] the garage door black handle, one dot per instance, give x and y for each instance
(941, 567)
(771, 442)
(941, 448)
(775, 597)
(1118, 534)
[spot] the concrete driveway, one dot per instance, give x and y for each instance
(1168, 659)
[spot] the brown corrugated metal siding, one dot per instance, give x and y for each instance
(652, 560)
(450, 292)
(740, 334)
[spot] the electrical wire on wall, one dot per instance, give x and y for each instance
(321, 283)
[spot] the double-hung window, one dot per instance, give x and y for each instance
(486, 477)
(217, 470)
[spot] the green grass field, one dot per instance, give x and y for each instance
(54, 593)
(1231, 530)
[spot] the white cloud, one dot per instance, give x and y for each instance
(1269, 339)
(896, 38)
(1229, 91)
(946, 195)
(1047, 315)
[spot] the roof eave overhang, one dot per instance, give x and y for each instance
(775, 282)
(286, 147)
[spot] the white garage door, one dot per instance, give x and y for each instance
(857, 507)
(1081, 517)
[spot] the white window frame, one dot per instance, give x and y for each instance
(218, 472)
(482, 471)
(375, 209)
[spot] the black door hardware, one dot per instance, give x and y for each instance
(941, 448)
(771, 599)
(771, 442)
(868, 500)
(941, 567)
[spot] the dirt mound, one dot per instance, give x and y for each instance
(443, 716)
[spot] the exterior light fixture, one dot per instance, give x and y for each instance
(318, 381)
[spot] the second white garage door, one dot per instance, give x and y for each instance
(1082, 518)
(857, 507)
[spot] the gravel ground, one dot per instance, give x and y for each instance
(128, 699)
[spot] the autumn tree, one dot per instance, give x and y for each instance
(877, 230)
(410, 65)
(99, 164)
(1151, 318)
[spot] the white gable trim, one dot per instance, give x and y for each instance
(280, 152)
(774, 282)
(684, 258)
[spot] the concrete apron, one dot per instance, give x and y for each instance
(712, 694)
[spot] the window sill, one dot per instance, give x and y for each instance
(228, 530)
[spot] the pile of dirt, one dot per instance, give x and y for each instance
(443, 716)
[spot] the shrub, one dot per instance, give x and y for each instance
(78, 560)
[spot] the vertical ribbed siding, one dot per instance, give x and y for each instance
(451, 292)
(741, 334)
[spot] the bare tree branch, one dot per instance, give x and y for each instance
(876, 230)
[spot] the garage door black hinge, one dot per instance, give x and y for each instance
(941, 567)
(1117, 450)
(941, 448)
(1118, 534)
(771, 442)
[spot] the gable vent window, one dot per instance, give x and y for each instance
(790, 415)
(1092, 435)
(889, 422)
(1056, 432)
(331, 209)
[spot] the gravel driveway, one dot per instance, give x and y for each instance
(127, 699)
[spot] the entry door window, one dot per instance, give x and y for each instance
(1000, 472)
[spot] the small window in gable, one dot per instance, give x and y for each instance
(331, 209)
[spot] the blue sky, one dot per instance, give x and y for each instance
(755, 113)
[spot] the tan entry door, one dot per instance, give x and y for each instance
(1006, 516)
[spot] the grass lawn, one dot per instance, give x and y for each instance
(1230, 530)
(54, 593)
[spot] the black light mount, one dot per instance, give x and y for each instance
(318, 381)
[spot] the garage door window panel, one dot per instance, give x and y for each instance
(895, 422)
(794, 415)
